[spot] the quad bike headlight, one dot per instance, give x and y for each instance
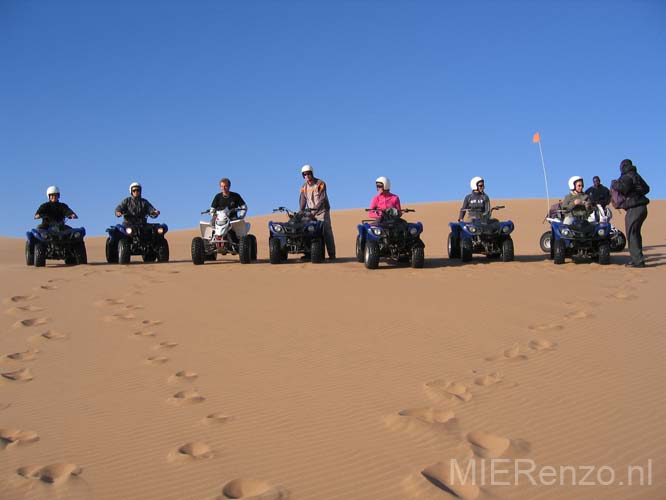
(160, 230)
(311, 229)
(277, 228)
(565, 232)
(506, 229)
(471, 229)
(413, 231)
(128, 230)
(377, 231)
(601, 232)
(77, 235)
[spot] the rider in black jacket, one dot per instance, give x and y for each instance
(53, 211)
(134, 208)
(477, 203)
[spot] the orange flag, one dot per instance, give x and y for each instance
(536, 138)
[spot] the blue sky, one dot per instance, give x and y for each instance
(176, 94)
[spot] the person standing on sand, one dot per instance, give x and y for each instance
(313, 196)
(634, 188)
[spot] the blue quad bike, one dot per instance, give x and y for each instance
(300, 234)
(583, 238)
(390, 237)
(483, 235)
(143, 239)
(57, 242)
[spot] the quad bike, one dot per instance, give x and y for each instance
(585, 237)
(224, 235)
(57, 242)
(618, 240)
(483, 235)
(390, 237)
(300, 234)
(143, 239)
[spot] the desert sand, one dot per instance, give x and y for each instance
(302, 381)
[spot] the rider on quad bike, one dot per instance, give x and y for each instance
(227, 230)
(482, 233)
(135, 236)
(53, 239)
(387, 234)
(579, 234)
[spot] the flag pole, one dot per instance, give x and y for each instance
(543, 166)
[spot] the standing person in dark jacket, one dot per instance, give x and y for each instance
(53, 211)
(134, 208)
(313, 196)
(634, 188)
(598, 193)
(477, 203)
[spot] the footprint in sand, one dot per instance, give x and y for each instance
(53, 335)
(542, 345)
(216, 418)
(143, 333)
(151, 322)
(120, 317)
(21, 298)
(166, 345)
(4, 406)
(133, 307)
(27, 323)
(488, 445)
(22, 375)
(450, 389)
(195, 450)
(110, 302)
(580, 314)
(17, 437)
(157, 360)
(429, 415)
(24, 309)
(48, 287)
(623, 295)
(442, 475)
(546, 327)
(489, 379)
(53, 474)
(253, 489)
(184, 375)
(187, 398)
(29, 355)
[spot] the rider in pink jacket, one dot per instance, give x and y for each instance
(384, 198)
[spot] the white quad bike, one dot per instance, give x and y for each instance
(224, 235)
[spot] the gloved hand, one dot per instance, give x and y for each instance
(211, 210)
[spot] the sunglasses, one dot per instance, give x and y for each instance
(480, 184)
(380, 185)
(136, 190)
(307, 174)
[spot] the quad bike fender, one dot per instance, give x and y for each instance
(206, 230)
(505, 224)
(455, 227)
(240, 227)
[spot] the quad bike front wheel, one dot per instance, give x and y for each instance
(360, 249)
(507, 250)
(317, 251)
(371, 256)
(465, 249)
(245, 249)
(29, 253)
(604, 254)
(40, 254)
(163, 252)
(418, 257)
(453, 246)
(253, 247)
(81, 254)
(559, 251)
(274, 251)
(111, 251)
(618, 241)
(124, 251)
(198, 251)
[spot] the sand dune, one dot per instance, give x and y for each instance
(302, 381)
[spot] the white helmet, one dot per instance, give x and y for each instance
(572, 181)
(134, 185)
(306, 168)
(474, 182)
(52, 190)
(385, 181)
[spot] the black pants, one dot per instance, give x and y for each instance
(633, 222)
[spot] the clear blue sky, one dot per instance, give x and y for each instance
(176, 94)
